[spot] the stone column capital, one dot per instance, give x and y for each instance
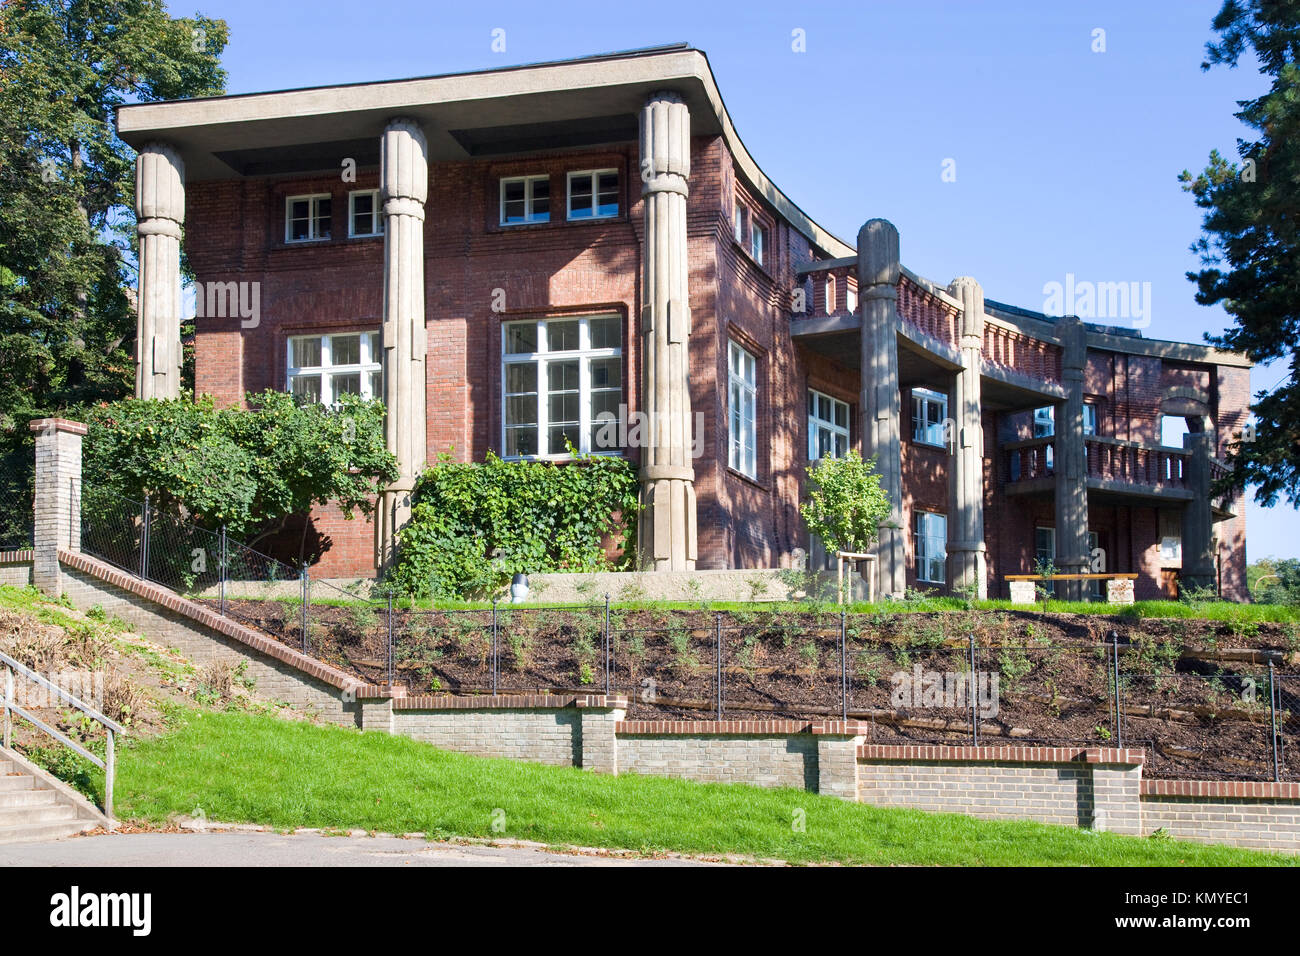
(665, 143)
(404, 164)
(878, 258)
(159, 185)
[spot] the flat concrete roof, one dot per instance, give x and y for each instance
(464, 115)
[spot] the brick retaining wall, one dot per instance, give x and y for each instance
(1261, 815)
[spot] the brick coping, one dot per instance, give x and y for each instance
(748, 728)
(1010, 754)
(1232, 789)
(58, 424)
(504, 701)
(208, 618)
(26, 556)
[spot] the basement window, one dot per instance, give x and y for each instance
(323, 367)
(307, 218)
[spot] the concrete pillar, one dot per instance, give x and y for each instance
(967, 564)
(1072, 553)
(404, 179)
(667, 535)
(57, 500)
(1198, 519)
(159, 213)
(878, 273)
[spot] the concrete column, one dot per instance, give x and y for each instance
(1198, 519)
(58, 499)
(967, 564)
(667, 535)
(1071, 463)
(404, 179)
(878, 273)
(159, 213)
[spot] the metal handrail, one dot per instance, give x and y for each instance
(108, 764)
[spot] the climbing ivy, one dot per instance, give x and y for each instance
(474, 525)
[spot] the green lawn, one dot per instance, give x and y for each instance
(243, 768)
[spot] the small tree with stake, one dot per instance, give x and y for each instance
(845, 503)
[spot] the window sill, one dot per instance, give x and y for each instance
(747, 479)
(749, 257)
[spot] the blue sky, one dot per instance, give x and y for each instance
(1065, 159)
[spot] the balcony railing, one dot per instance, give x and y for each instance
(1109, 459)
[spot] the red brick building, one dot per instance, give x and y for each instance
(512, 257)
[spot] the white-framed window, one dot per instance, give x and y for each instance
(851, 299)
(828, 426)
(742, 405)
(931, 531)
(593, 194)
(561, 380)
(323, 367)
(757, 236)
(525, 199)
(929, 412)
(738, 223)
(365, 214)
(1089, 418)
(307, 218)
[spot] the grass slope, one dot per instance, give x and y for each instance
(245, 768)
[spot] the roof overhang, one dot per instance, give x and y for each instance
(563, 104)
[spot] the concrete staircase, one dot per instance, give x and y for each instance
(35, 806)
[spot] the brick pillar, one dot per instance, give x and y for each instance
(159, 211)
(600, 715)
(837, 758)
(57, 500)
(1117, 798)
(966, 549)
(667, 536)
(377, 714)
(1071, 463)
(404, 175)
(879, 270)
(1198, 519)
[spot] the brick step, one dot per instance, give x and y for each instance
(27, 798)
(29, 816)
(21, 781)
(24, 833)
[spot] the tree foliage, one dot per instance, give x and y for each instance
(1249, 248)
(67, 249)
(845, 504)
(246, 469)
(475, 525)
(1275, 581)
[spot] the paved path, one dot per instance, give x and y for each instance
(245, 848)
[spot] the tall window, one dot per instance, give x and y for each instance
(1045, 421)
(593, 194)
(830, 295)
(562, 381)
(929, 412)
(365, 214)
(757, 237)
(742, 395)
(931, 532)
(323, 367)
(307, 218)
(1089, 418)
(738, 223)
(828, 427)
(525, 199)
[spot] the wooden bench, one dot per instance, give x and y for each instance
(1119, 585)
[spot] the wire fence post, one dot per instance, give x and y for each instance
(844, 664)
(717, 627)
(1272, 707)
(1119, 722)
(221, 568)
(609, 646)
(974, 711)
(305, 587)
(494, 646)
(144, 538)
(390, 639)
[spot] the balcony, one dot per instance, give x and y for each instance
(1115, 467)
